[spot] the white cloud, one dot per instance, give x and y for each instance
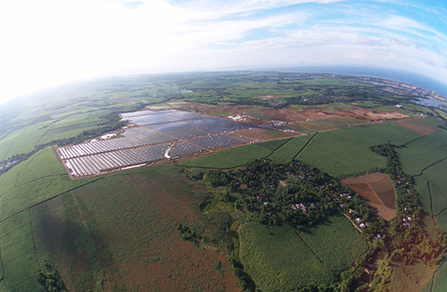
(51, 41)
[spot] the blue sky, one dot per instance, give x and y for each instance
(48, 42)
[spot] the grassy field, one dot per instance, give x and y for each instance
(289, 150)
(346, 152)
(120, 234)
(279, 259)
(29, 183)
(230, 157)
(18, 255)
(336, 242)
(423, 152)
(424, 158)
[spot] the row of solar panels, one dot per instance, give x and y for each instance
(134, 137)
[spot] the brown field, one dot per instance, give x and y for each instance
(378, 190)
(419, 126)
(261, 115)
(264, 135)
(121, 232)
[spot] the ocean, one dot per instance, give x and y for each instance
(385, 73)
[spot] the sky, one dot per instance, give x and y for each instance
(49, 42)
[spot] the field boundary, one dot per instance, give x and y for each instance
(305, 145)
(49, 199)
(7, 151)
(3, 270)
(430, 165)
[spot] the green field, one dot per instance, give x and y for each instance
(118, 232)
(279, 259)
(289, 150)
(230, 157)
(346, 152)
(18, 255)
(29, 183)
(423, 152)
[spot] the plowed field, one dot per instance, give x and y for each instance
(377, 189)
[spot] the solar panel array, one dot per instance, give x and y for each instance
(202, 127)
(216, 141)
(159, 140)
(99, 163)
(134, 137)
(184, 148)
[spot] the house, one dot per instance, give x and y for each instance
(362, 225)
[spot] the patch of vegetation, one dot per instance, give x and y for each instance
(230, 158)
(49, 278)
(18, 255)
(346, 152)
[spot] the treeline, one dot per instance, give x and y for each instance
(407, 241)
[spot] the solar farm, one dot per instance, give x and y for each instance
(154, 136)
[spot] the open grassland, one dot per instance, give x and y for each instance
(412, 277)
(436, 175)
(120, 234)
(37, 179)
(289, 150)
(3, 286)
(423, 152)
(417, 125)
(18, 255)
(230, 157)
(346, 152)
(336, 242)
(426, 159)
(278, 259)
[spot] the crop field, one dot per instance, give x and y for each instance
(230, 158)
(18, 256)
(423, 152)
(419, 126)
(346, 152)
(28, 183)
(337, 252)
(289, 150)
(378, 190)
(119, 233)
(277, 258)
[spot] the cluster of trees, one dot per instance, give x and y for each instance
(300, 195)
(407, 240)
(187, 234)
(295, 193)
(49, 278)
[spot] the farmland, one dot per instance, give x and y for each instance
(346, 152)
(279, 258)
(219, 221)
(378, 190)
